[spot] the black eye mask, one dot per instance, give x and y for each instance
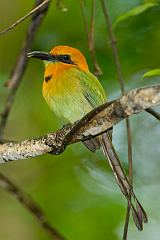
(64, 59)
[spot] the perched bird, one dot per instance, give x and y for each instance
(71, 91)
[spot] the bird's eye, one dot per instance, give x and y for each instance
(65, 58)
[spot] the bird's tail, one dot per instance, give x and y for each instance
(139, 214)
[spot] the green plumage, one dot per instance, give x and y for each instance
(78, 92)
(72, 91)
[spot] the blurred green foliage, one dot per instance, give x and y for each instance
(76, 189)
(152, 73)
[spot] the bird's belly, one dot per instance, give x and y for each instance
(67, 107)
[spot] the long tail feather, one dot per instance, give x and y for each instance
(139, 214)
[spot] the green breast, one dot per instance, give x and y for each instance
(77, 93)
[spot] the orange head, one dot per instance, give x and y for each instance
(65, 56)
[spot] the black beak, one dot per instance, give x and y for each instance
(42, 55)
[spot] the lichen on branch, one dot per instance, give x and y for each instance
(94, 123)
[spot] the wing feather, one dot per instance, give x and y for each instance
(92, 89)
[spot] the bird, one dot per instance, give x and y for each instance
(71, 91)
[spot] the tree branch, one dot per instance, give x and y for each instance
(153, 113)
(25, 17)
(30, 205)
(21, 63)
(122, 86)
(90, 35)
(13, 83)
(94, 123)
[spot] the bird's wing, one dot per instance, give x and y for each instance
(92, 89)
(94, 94)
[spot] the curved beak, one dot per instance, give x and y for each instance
(42, 55)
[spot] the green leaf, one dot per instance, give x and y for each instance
(152, 73)
(134, 12)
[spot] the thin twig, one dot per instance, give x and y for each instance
(84, 19)
(14, 82)
(121, 81)
(113, 44)
(153, 113)
(126, 224)
(90, 35)
(25, 17)
(30, 205)
(21, 63)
